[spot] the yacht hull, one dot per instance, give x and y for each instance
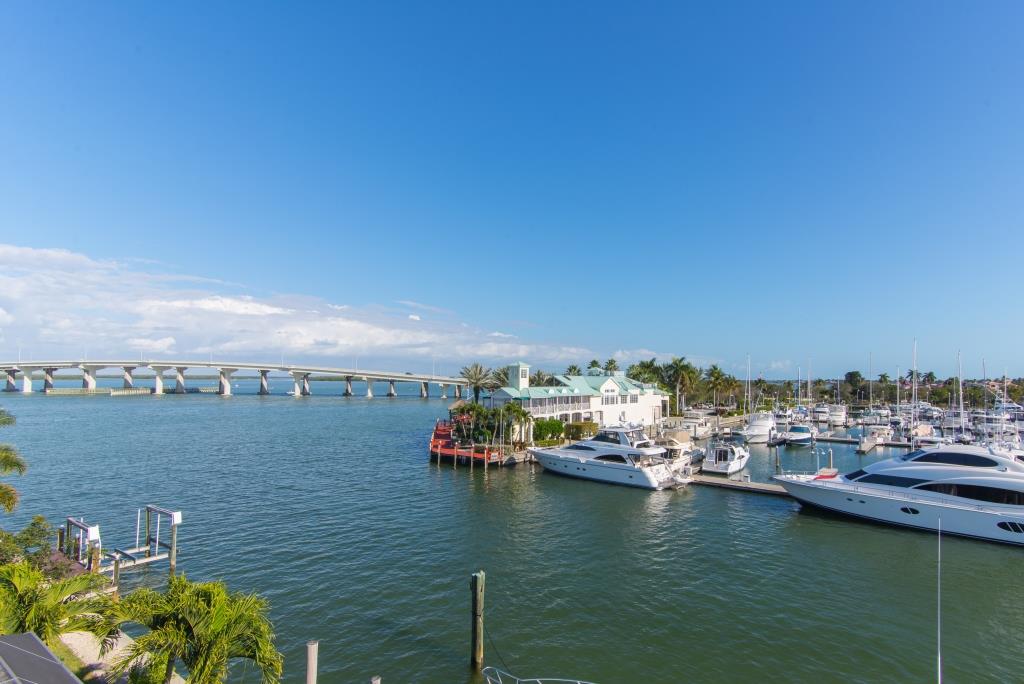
(652, 477)
(905, 510)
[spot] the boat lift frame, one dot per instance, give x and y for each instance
(81, 543)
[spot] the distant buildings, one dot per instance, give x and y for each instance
(604, 397)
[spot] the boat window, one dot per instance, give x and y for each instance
(890, 480)
(995, 495)
(611, 458)
(855, 474)
(1011, 527)
(956, 458)
(912, 455)
(610, 437)
(580, 447)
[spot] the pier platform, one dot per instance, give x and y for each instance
(739, 485)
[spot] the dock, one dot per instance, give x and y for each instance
(739, 485)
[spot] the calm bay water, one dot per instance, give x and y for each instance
(329, 507)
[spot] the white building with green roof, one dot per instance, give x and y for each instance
(604, 397)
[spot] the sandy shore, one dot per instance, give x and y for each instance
(87, 648)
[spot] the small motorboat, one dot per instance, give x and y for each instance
(800, 435)
(725, 458)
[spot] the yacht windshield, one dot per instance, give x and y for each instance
(636, 436)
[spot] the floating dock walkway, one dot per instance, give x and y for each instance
(739, 485)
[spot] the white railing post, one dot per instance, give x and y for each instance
(312, 648)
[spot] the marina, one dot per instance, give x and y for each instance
(270, 508)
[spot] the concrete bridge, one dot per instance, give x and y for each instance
(300, 376)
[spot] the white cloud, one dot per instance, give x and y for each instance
(61, 304)
(161, 346)
(242, 306)
(423, 307)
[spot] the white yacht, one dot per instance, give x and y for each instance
(837, 414)
(974, 491)
(725, 458)
(759, 429)
(876, 415)
(783, 415)
(618, 455)
(800, 435)
(820, 413)
(696, 423)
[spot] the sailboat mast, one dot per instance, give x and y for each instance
(871, 401)
(960, 390)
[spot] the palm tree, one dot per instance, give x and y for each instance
(594, 363)
(681, 375)
(540, 378)
(716, 380)
(10, 462)
(645, 371)
(611, 365)
(476, 377)
(573, 369)
(32, 602)
(500, 376)
(203, 625)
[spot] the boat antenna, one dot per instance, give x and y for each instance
(938, 615)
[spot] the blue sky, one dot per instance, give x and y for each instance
(549, 180)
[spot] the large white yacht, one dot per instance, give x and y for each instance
(725, 458)
(618, 455)
(837, 414)
(975, 491)
(820, 413)
(759, 429)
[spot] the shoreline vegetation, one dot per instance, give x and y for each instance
(200, 625)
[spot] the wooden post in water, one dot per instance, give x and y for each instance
(116, 577)
(149, 515)
(476, 585)
(173, 556)
(311, 656)
(60, 540)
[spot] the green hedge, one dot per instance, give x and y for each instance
(580, 430)
(547, 428)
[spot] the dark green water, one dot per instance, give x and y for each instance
(328, 506)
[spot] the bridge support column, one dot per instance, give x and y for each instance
(264, 385)
(424, 390)
(444, 390)
(369, 388)
(26, 378)
(301, 384)
(158, 378)
(48, 378)
(179, 380)
(391, 389)
(88, 377)
(457, 394)
(224, 381)
(12, 376)
(129, 378)
(348, 386)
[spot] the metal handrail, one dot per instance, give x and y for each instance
(496, 676)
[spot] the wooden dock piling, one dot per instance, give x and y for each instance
(476, 584)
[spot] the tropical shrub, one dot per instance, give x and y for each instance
(547, 428)
(32, 602)
(579, 430)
